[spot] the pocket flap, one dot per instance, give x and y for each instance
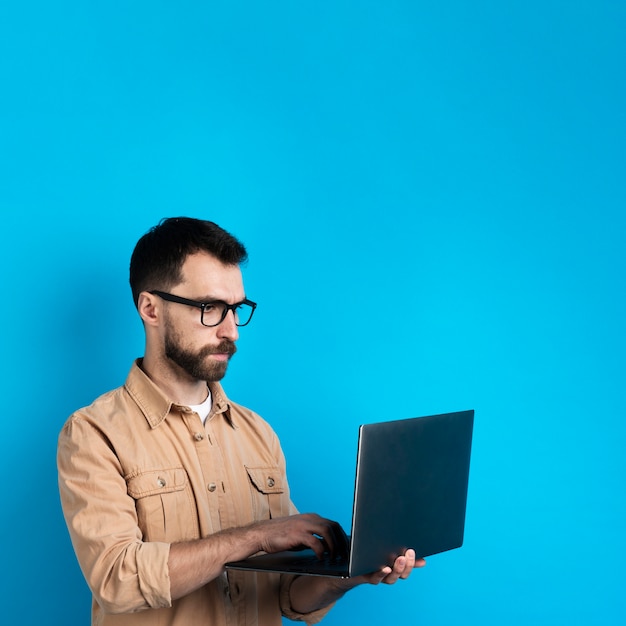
(266, 479)
(156, 481)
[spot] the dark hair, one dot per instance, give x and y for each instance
(158, 257)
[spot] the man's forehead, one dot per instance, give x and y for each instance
(204, 271)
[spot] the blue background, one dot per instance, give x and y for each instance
(433, 197)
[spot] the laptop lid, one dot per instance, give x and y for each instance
(411, 488)
(410, 492)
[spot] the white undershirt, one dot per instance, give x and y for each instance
(203, 409)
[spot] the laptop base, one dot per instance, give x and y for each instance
(298, 562)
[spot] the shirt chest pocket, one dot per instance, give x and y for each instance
(164, 502)
(267, 490)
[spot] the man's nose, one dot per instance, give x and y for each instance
(227, 329)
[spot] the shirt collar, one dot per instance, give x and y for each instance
(221, 404)
(156, 406)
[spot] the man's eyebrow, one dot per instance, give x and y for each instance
(209, 299)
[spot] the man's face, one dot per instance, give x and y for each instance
(202, 352)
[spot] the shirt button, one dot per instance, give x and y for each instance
(198, 436)
(212, 487)
(161, 482)
(270, 482)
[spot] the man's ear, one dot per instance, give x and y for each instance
(149, 307)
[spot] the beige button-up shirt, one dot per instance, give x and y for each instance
(137, 473)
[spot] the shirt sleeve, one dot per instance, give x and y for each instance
(124, 573)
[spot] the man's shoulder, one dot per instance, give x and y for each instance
(103, 408)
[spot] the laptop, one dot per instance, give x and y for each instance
(410, 492)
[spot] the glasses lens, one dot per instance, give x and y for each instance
(214, 314)
(243, 314)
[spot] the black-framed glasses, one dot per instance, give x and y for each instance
(213, 313)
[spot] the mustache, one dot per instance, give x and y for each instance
(224, 347)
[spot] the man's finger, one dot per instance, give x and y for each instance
(409, 564)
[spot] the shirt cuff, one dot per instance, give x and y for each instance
(154, 575)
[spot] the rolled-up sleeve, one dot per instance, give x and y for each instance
(125, 573)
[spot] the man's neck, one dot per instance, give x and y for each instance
(178, 386)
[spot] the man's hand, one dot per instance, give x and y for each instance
(306, 530)
(309, 593)
(401, 569)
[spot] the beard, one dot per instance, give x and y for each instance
(196, 364)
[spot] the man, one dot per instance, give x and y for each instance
(165, 480)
